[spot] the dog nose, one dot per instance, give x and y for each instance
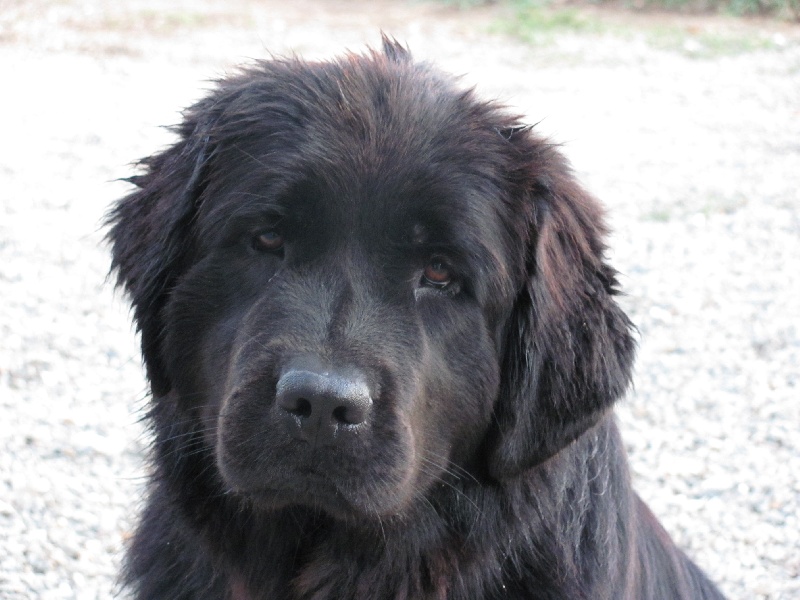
(320, 406)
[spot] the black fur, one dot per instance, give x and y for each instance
(367, 217)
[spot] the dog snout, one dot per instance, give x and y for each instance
(323, 405)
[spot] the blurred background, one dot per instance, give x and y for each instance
(682, 116)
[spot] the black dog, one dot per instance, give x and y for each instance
(383, 347)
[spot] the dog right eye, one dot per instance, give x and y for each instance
(437, 274)
(268, 241)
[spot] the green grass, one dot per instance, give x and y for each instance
(706, 44)
(782, 9)
(658, 215)
(535, 21)
(788, 10)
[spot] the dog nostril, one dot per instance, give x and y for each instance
(349, 415)
(339, 414)
(299, 407)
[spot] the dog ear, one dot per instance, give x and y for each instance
(569, 348)
(150, 235)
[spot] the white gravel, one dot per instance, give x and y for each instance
(697, 158)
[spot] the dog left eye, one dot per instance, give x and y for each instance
(268, 241)
(437, 274)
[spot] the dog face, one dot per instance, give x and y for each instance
(354, 282)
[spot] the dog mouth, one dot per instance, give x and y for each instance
(312, 489)
(324, 481)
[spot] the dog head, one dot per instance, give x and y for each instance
(353, 280)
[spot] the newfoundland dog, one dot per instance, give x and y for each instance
(383, 347)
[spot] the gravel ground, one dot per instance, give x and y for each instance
(696, 154)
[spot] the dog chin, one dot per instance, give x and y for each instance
(320, 494)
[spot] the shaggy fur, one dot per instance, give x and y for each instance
(383, 346)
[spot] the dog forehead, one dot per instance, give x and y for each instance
(420, 199)
(401, 155)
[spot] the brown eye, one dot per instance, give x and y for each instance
(437, 274)
(268, 241)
